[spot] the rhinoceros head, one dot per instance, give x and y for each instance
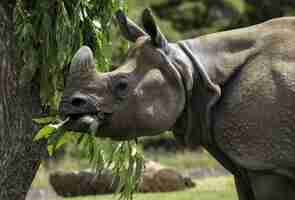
(144, 96)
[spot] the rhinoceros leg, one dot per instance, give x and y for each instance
(271, 186)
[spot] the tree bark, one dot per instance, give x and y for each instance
(19, 155)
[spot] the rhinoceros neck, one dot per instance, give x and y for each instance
(201, 97)
(211, 61)
(204, 96)
(216, 58)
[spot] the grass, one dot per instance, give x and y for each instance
(220, 188)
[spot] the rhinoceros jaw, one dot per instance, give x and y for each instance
(86, 123)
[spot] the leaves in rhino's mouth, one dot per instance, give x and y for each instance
(102, 116)
(123, 158)
(53, 131)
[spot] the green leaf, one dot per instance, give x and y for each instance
(53, 141)
(80, 138)
(44, 132)
(66, 137)
(60, 124)
(48, 130)
(44, 120)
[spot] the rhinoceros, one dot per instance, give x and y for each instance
(231, 92)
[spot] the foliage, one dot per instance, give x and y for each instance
(54, 133)
(50, 32)
(122, 158)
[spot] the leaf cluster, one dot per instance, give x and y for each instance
(50, 32)
(123, 159)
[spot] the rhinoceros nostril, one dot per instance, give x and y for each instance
(78, 102)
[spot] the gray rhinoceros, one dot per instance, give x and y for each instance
(231, 92)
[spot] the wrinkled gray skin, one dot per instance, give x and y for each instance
(231, 92)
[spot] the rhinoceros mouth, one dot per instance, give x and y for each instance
(95, 124)
(86, 122)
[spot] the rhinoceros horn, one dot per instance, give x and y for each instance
(83, 61)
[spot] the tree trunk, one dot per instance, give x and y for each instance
(19, 155)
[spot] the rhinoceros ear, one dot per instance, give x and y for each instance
(128, 28)
(83, 61)
(150, 26)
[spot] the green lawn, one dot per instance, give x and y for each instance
(220, 188)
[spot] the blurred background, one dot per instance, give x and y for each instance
(178, 19)
(182, 19)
